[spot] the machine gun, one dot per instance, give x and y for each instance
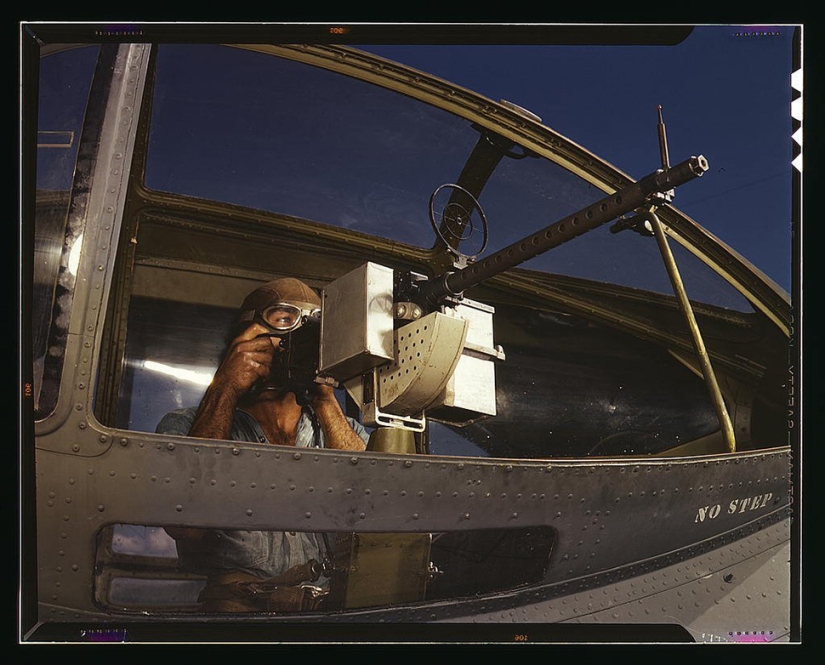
(404, 345)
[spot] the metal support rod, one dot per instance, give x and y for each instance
(698, 343)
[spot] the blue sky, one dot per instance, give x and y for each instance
(726, 94)
(725, 91)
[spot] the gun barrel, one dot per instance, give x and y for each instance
(619, 203)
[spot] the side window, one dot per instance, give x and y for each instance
(144, 569)
(65, 78)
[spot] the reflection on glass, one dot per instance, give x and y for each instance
(181, 373)
(172, 351)
(74, 254)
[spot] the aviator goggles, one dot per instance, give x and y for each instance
(283, 317)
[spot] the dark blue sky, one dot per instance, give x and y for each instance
(726, 94)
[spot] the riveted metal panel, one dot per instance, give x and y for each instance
(607, 517)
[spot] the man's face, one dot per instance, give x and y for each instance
(295, 361)
(284, 317)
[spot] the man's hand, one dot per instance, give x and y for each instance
(248, 359)
(322, 394)
(337, 431)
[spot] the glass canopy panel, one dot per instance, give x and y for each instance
(246, 128)
(286, 137)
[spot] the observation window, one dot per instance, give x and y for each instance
(142, 568)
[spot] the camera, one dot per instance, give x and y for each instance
(295, 367)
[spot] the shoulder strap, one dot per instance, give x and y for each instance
(246, 428)
(316, 427)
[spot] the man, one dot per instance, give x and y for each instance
(254, 397)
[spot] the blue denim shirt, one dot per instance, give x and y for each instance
(261, 553)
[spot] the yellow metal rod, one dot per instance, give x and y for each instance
(698, 342)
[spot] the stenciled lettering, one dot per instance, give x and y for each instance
(739, 506)
(759, 501)
(711, 512)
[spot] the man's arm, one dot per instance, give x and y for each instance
(249, 358)
(338, 433)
